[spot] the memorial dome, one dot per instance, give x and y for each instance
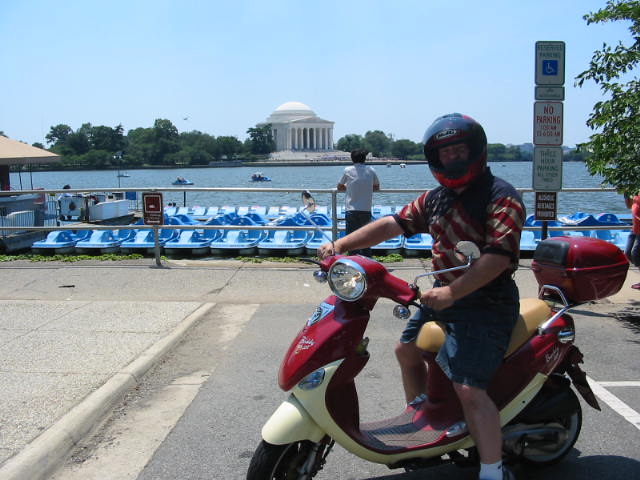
(294, 109)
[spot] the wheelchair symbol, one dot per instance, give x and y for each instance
(550, 67)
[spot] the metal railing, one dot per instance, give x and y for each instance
(51, 214)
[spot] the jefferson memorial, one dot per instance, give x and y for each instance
(295, 128)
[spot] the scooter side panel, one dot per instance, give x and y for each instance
(291, 423)
(333, 336)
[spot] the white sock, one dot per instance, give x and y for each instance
(491, 471)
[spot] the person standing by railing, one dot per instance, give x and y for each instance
(633, 243)
(359, 181)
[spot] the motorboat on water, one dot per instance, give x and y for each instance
(181, 181)
(259, 177)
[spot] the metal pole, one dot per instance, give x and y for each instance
(156, 244)
(334, 214)
(545, 230)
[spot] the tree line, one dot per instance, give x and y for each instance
(161, 145)
(99, 147)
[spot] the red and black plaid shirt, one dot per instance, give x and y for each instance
(489, 213)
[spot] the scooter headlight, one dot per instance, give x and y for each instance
(347, 280)
(312, 380)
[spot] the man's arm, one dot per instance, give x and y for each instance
(341, 187)
(371, 234)
(483, 271)
(376, 187)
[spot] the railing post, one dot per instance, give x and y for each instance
(334, 214)
(156, 244)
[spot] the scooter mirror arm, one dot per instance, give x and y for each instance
(452, 269)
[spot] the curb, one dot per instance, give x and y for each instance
(45, 453)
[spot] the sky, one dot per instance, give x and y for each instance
(221, 67)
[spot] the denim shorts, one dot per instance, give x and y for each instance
(478, 330)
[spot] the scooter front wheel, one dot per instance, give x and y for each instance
(292, 461)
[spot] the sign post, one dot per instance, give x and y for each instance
(548, 118)
(153, 215)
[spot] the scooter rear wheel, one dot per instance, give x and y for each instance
(552, 453)
(281, 462)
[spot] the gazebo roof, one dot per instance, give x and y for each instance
(13, 152)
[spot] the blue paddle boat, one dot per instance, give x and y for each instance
(287, 242)
(103, 241)
(238, 242)
(259, 177)
(418, 245)
(60, 241)
(181, 181)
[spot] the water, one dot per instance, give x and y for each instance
(575, 175)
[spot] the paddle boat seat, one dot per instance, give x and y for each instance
(533, 312)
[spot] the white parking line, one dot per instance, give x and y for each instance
(619, 384)
(614, 402)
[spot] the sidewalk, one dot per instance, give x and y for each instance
(75, 337)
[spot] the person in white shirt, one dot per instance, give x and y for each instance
(359, 181)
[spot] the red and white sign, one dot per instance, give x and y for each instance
(547, 123)
(152, 208)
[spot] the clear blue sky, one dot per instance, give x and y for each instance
(226, 65)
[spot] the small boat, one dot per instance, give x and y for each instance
(403, 165)
(60, 241)
(143, 240)
(123, 175)
(288, 242)
(418, 245)
(104, 241)
(238, 242)
(181, 181)
(259, 177)
(393, 245)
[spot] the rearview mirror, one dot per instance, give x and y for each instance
(468, 249)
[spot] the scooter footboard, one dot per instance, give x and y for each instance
(291, 423)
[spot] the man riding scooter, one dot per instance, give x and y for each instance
(479, 306)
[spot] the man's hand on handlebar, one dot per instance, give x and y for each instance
(326, 250)
(438, 298)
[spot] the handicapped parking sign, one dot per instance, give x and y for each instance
(549, 67)
(550, 63)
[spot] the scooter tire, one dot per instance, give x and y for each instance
(279, 462)
(573, 424)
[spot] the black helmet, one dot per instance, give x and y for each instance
(453, 129)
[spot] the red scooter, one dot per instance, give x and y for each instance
(539, 412)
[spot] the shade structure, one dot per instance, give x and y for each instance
(13, 152)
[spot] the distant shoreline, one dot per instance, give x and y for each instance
(242, 163)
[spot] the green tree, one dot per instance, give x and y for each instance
(229, 146)
(139, 146)
(261, 140)
(378, 143)
(349, 143)
(615, 148)
(58, 134)
(165, 142)
(403, 148)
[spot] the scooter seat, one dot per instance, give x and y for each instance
(533, 312)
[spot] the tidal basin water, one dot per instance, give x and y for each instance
(295, 179)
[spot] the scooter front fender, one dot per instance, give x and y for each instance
(291, 423)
